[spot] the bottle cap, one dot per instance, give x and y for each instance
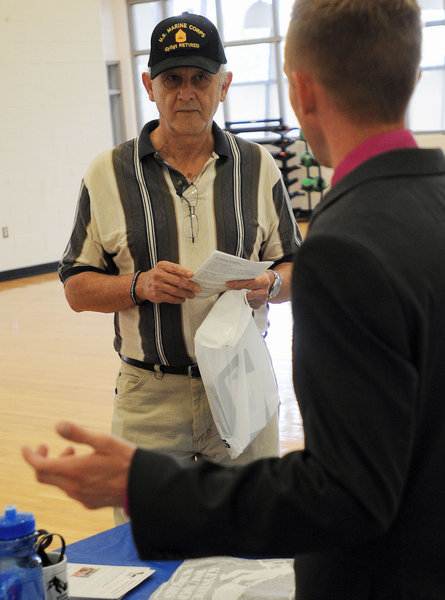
(15, 524)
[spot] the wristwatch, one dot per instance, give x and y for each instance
(275, 287)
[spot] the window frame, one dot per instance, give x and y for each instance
(274, 39)
(433, 68)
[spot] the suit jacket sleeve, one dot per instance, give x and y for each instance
(356, 385)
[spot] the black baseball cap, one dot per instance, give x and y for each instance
(186, 40)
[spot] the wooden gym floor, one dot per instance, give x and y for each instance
(55, 365)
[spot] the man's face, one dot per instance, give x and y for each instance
(187, 98)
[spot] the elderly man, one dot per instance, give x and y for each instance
(150, 212)
(362, 506)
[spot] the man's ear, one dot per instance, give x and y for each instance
(227, 80)
(148, 85)
(306, 91)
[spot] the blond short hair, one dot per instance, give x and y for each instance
(365, 52)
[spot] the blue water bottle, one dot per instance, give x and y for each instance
(20, 567)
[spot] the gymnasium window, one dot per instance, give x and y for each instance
(253, 33)
(427, 110)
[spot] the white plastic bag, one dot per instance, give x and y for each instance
(236, 370)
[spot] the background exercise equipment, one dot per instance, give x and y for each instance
(283, 143)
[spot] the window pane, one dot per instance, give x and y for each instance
(253, 102)
(429, 16)
(255, 62)
(199, 7)
(141, 66)
(219, 115)
(285, 10)
(289, 117)
(432, 10)
(146, 15)
(143, 19)
(426, 112)
(433, 49)
(146, 108)
(246, 19)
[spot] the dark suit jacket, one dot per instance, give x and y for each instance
(362, 507)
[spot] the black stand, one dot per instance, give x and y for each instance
(281, 138)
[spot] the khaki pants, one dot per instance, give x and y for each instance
(172, 414)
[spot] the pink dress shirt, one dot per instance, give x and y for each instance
(393, 140)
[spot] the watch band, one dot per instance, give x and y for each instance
(274, 289)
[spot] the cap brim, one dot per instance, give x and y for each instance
(201, 62)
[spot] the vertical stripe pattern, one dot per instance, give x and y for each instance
(129, 218)
(236, 175)
(151, 235)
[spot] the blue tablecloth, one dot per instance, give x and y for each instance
(116, 547)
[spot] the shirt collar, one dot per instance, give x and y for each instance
(392, 140)
(146, 147)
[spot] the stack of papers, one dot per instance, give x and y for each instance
(103, 582)
(221, 267)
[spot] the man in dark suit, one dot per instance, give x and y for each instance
(362, 506)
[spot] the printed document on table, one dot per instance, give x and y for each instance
(224, 577)
(221, 267)
(103, 582)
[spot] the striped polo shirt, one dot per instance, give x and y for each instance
(130, 216)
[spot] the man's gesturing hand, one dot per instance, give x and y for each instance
(97, 479)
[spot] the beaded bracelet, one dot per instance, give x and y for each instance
(132, 290)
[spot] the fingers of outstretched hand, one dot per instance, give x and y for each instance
(43, 450)
(47, 470)
(83, 478)
(69, 451)
(98, 478)
(75, 433)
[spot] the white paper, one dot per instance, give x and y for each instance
(221, 267)
(224, 577)
(103, 582)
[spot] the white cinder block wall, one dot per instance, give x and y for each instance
(54, 118)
